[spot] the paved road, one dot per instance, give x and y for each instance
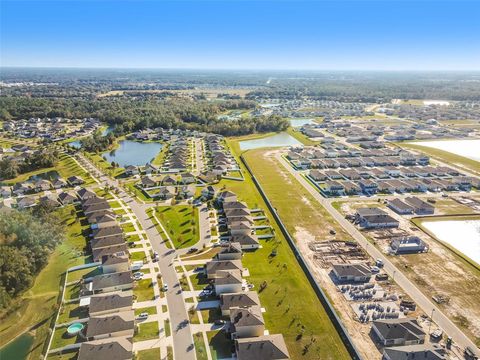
(422, 301)
(181, 329)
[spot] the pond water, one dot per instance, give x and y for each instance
(133, 153)
(466, 148)
(75, 144)
(463, 235)
(18, 349)
(277, 140)
(301, 122)
(49, 175)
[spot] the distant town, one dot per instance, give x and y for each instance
(269, 216)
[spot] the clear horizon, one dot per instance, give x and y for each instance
(242, 35)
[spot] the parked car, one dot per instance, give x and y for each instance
(219, 322)
(165, 287)
(192, 250)
(379, 263)
(142, 316)
(138, 275)
(375, 269)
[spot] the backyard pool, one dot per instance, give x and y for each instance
(74, 329)
(463, 235)
(277, 140)
(133, 153)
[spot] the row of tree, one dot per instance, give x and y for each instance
(11, 167)
(26, 241)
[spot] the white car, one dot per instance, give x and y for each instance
(142, 316)
(138, 275)
(165, 287)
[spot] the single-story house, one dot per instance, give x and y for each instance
(112, 282)
(66, 198)
(111, 325)
(25, 202)
(119, 348)
(238, 300)
(263, 347)
(131, 170)
(233, 251)
(99, 253)
(415, 352)
(110, 303)
(375, 218)
(228, 281)
(407, 245)
(246, 322)
(75, 180)
(419, 206)
(246, 241)
(213, 266)
(400, 207)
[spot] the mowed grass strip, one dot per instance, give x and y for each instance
(181, 223)
(292, 307)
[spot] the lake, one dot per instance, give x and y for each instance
(466, 148)
(301, 122)
(463, 235)
(77, 144)
(18, 349)
(277, 140)
(49, 175)
(133, 153)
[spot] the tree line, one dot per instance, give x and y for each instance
(26, 241)
(10, 167)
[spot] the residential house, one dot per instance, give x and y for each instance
(114, 263)
(208, 192)
(107, 232)
(247, 241)
(186, 192)
(25, 203)
(85, 194)
(147, 182)
(5, 191)
(111, 282)
(110, 303)
(165, 193)
(375, 218)
(75, 180)
(66, 198)
(187, 178)
(396, 332)
(400, 207)
(352, 272)
(228, 281)
(271, 347)
(59, 183)
(246, 322)
(419, 206)
(119, 348)
(106, 242)
(101, 206)
(111, 325)
(42, 185)
(213, 266)
(99, 253)
(238, 300)
(169, 180)
(233, 251)
(104, 221)
(415, 352)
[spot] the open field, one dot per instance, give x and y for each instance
(289, 300)
(36, 307)
(300, 137)
(181, 222)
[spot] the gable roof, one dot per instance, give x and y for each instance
(107, 324)
(244, 299)
(267, 347)
(415, 352)
(108, 280)
(225, 277)
(250, 316)
(407, 329)
(111, 301)
(119, 348)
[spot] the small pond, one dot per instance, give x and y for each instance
(300, 122)
(277, 140)
(463, 235)
(133, 153)
(49, 175)
(18, 349)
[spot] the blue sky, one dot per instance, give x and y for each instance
(371, 35)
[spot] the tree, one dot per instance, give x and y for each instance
(8, 169)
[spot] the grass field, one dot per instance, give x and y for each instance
(200, 346)
(300, 137)
(220, 345)
(144, 290)
(150, 354)
(146, 331)
(289, 300)
(36, 307)
(181, 222)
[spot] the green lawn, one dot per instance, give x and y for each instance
(152, 310)
(144, 290)
(37, 306)
(104, 165)
(199, 281)
(71, 312)
(160, 158)
(220, 344)
(146, 331)
(300, 137)
(61, 338)
(181, 222)
(289, 299)
(128, 227)
(166, 325)
(84, 273)
(150, 354)
(114, 204)
(66, 356)
(200, 346)
(138, 256)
